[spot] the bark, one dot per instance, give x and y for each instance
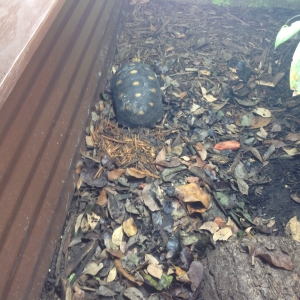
(229, 275)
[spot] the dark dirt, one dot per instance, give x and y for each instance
(275, 201)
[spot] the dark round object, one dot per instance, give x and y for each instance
(137, 97)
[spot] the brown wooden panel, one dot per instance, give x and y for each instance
(41, 126)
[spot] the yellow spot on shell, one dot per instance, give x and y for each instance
(121, 96)
(153, 90)
(118, 82)
(138, 95)
(150, 77)
(133, 71)
(151, 104)
(127, 107)
(135, 83)
(141, 112)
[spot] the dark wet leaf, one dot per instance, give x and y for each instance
(88, 173)
(195, 274)
(116, 210)
(275, 257)
(173, 246)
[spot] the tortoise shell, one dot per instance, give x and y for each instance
(137, 97)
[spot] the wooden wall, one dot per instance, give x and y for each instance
(41, 130)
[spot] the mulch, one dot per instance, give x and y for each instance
(150, 203)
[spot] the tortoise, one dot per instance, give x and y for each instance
(137, 97)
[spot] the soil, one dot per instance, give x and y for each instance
(133, 230)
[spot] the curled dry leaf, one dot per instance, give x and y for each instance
(118, 265)
(129, 227)
(228, 145)
(193, 193)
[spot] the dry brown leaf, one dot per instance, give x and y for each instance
(192, 179)
(149, 197)
(129, 227)
(212, 227)
(89, 141)
(223, 234)
(184, 278)
(118, 265)
(117, 236)
(92, 268)
(153, 28)
(115, 253)
(151, 259)
(102, 199)
(112, 275)
(201, 150)
(193, 193)
(255, 152)
(115, 174)
(259, 121)
(182, 95)
(263, 112)
(220, 222)
(293, 137)
(179, 271)
(78, 222)
(133, 293)
(199, 162)
(210, 98)
(228, 145)
(161, 160)
(293, 228)
(291, 152)
(232, 225)
(84, 225)
(155, 271)
(139, 174)
(93, 220)
(295, 197)
(275, 257)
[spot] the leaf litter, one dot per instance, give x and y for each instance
(151, 203)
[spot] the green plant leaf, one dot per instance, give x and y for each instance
(286, 32)
(295, 72)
